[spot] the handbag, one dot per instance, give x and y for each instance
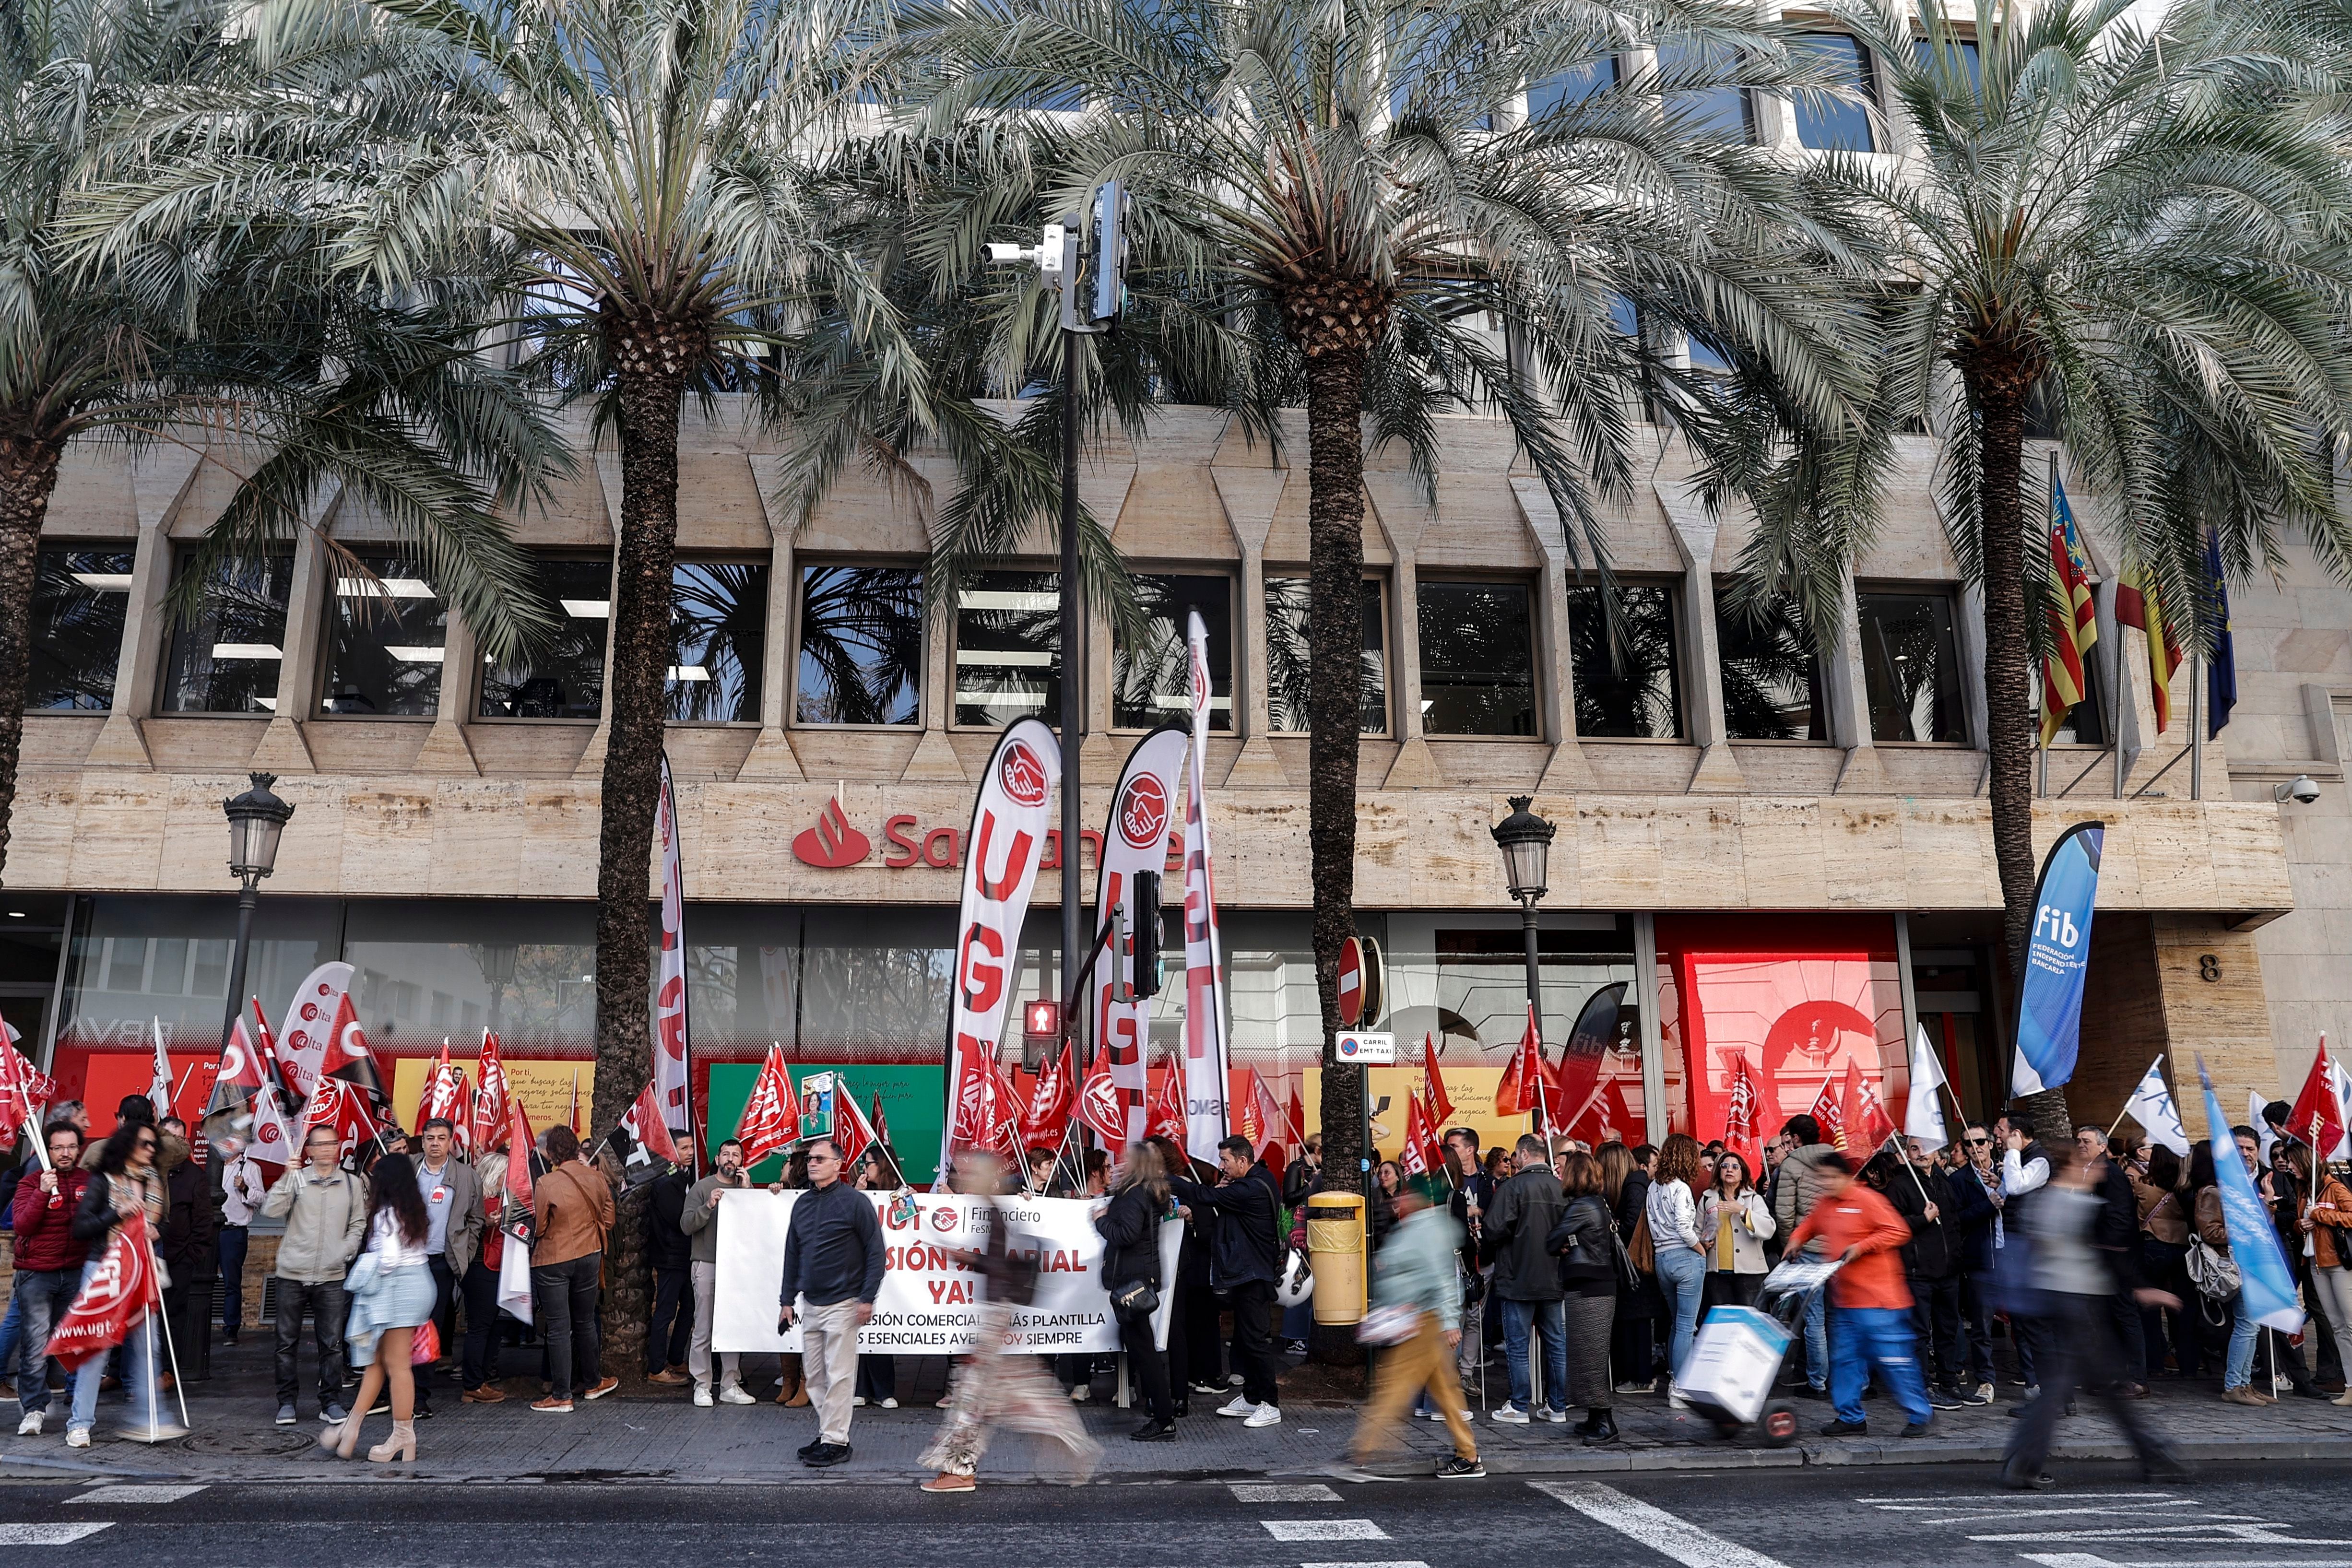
(1388, 1326)
(1136, 1298)
(2212, 1269)
(1641, 1249)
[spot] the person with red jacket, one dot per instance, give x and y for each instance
(1871, 1325)
(48, 1266)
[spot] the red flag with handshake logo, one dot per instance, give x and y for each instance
(117, 1293)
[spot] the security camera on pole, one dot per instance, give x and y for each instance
(1082, 258)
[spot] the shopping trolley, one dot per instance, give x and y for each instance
(1736, 1359)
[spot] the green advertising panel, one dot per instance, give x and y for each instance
(911, 1104)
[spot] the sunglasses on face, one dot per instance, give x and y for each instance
(1979, 1142)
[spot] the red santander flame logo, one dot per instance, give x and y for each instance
(1143, 811)
(833, 843)
(1023, 776)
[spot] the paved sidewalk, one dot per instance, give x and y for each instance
(666, 1438)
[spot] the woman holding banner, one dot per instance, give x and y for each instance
(125, 1181)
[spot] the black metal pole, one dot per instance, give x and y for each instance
(247, 899)
(1073, 663)
(1535, 977)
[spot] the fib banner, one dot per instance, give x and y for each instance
(930, 1304)
(2057, 961)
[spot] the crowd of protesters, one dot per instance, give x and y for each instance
(1575, 1277)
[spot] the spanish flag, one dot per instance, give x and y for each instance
(2137, 604)
(2073, 617)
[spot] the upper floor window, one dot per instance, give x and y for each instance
(1830, 124)
(1628, 686)
(1570, 88)
(1153, 681)
(1008, 647)
(1771, 676)
(563, 675)
(861, 650)
(719, 630)
(1477, 658)
(386, 638)
(225, 655)
(1721, 112)
(1287, 664)
(81, 595)
(1911, 665)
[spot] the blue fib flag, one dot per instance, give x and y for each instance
(2266, 1284)
(2057, 960)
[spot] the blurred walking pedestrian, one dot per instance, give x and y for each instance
(1873, 1332)
(1414, 1277)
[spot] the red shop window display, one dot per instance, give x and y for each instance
(1797, 999)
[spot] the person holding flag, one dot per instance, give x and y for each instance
(48, 1260)
(122, 1209)
(2328, 1223)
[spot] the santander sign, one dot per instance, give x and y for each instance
(831, 843)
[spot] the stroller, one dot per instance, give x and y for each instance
(1736, 1359)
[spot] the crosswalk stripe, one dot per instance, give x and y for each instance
(2092, 1560)
(1409, 1563)
(1324, 1530)
(139, 1493)
(47, 1534)
(1654, 1527)
(1259, 1491)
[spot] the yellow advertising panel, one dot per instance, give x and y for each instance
(1472, 1090)
(545, 1088)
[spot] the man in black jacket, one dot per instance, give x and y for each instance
(1931, 1264)
(669, 1252)
(832, 1257)
(1244, 1261)
(1975, 1187)
(1526, 1277)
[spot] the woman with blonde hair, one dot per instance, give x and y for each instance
(1129, 1226)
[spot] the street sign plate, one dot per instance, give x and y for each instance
(1359, 1049)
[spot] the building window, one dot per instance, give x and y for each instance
(1477, 659)
(718, 627)
(79, 597)
(1629, 686)
(386, 637)
(1771, 677)
(563, 676)
(225, 656)
(1911, 666)
(1286, 601)
(861, 653)
(1829, 124)
(1008, 647)
(1719, 111)
(1570, 88)
(1152, 680)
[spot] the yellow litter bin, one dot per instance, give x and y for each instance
(1335, 1249)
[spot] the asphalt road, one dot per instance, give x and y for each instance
(1953, 1516)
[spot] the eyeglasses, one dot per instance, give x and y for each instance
(146, 1144)
(1979, 1142)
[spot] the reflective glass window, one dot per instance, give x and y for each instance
(1151, 679)
(225, 656)
(1719, 111)
(1911, 666)
(1287, 600)
(1771, 678)
(1477, 658)
(1828, 124)
(80, 594)
(719, 624)
(1628, 686)
(386, 637)
(1570, 88)
(861, 648)
(563, 675)
(1008, 647)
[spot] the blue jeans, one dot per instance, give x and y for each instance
(2244, 1330)
(1550, 1317)
(140, 1347)
(1682, 1279)
(12, 1330)
(42, 1299)
(1879, 1337)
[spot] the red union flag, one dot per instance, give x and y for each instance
(1008, 838)
(1167, 1119)
(1868, 1124)
(347, 1055)
(337, 1104)
(1413, 1158)
(1045, 1118)
(672, 1042)
(488, 1123)
(1142, 810)
(25, 1093)
(1432, 1082)
(1100, 1107)
(1829, 1110)
(2317, 1118)
(772, 1116)
(238, 1078)
(645, 1124)
(117, 1293)
(1740, 1114)
(852, 1133)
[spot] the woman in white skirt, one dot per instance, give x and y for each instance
(391, 1288)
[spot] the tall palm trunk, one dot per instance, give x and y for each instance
(650, 383)
(1999, 385)
(28, 472)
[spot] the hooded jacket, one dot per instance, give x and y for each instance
(1800, 1187)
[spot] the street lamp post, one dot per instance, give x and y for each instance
(256, 818)
(1524, 840)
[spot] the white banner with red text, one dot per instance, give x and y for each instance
(930, 1302)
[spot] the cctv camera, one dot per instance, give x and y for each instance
(2302, 791)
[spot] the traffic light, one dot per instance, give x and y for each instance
(1147, 934)
(1041, 1031)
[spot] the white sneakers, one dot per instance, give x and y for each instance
(30, 1427)
(732, 1393)
(1545, 1413)
(76, 1436)
(1264, 1415)
(1241, 1405)
(702, 1400)
(1675, 1400)
(1509, 1414)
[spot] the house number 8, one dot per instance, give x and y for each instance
(2209, 967)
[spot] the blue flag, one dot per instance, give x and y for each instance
(2222, 670)
(2057, 959)
(2266, 1284)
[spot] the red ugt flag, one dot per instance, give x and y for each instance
(644, 1124)
(121, 1292)
(2317, 1118)
(1046, 1119)
(772, 1116)
(489, 1120)
(1829, 1110)
(1868, 1124)
(1739, 1115)
(1441, 1104)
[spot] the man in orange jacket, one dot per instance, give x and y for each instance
(1872, 1305)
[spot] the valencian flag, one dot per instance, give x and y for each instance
(2138, 605)
(2317, 1117)
(120, 1291)
(2266, 1291)
(2221, 671)
(772, 1116)
(2057, 961)
(1432, 1082)
(2073, 617)
(488, 1122)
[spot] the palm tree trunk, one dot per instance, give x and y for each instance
(642, 651)
(28, 473)
(1335, 635)
(1998, 392)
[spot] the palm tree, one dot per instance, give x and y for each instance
(2142, 230)
(1342, 203)
(642, 171)
(237, 338)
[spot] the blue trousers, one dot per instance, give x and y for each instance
(1817, 1339)
(1682, 1279)
(1521, 1319)
(1878, 1337)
